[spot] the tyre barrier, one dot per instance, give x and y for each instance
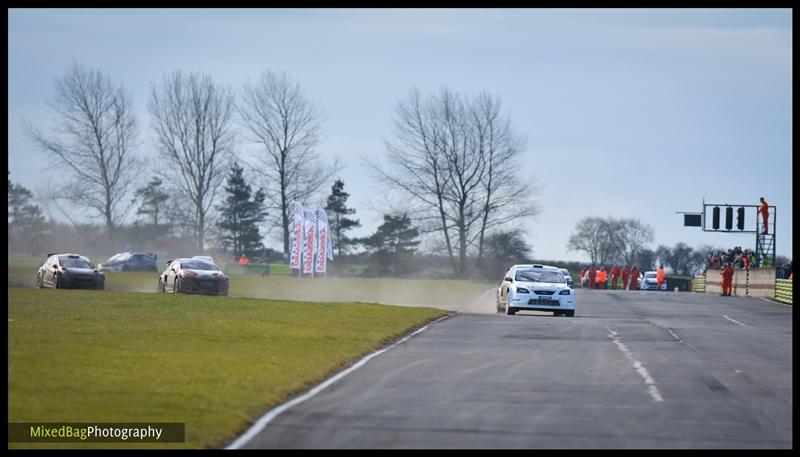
(783, 291)
(699, 284)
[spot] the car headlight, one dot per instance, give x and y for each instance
(522, 290)
(565, 292)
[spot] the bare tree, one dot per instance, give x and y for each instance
(609, 239)
(95, 137)
(634, 235)
(192, 119)
(450, 160)
(501, 147)
(589, 237)
(286, 125)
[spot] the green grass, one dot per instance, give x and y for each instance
(214, 363)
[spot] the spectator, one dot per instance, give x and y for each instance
(244, 260)
(727, 279)
(614, 275)
(634, 278)
(764, 210)
(592, 276)
(625, 277)
(602, 279)
(659, 277)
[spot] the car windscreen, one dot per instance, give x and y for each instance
(540, 276)
(72, 262)
(649, 275)
(198, 265)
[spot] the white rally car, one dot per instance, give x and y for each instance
(535, 288)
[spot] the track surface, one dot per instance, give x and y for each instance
(631, 370)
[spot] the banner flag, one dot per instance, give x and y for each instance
(323, 242)
(329, 250)
(309, 243)
(296, 235)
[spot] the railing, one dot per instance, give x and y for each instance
(783, 291)
(699, 283)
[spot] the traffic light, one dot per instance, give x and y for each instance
(715, 218)
(728, 218)
(740, 218)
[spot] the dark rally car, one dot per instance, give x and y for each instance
(69, 271)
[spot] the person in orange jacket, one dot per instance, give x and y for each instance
(244, 260)
(659, 277)
(634, 277)
(625, 273)
(602, 278)
(592, 276)
(764, 210)
(727, 280)
(614, 276)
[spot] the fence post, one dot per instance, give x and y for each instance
(747, 282)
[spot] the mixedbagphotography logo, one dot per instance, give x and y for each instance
(96, 432)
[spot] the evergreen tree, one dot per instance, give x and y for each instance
(153, 198)
(392, 244)
(337, 218)
(26, 224)
(241, 213)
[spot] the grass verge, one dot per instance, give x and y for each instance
(214, 363)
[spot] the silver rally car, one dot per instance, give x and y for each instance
(69, 271)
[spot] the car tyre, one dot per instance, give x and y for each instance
(570, 313)
(59, 284)
(38, 283)
(125, 268)
(160, 288)
(510, 310)
(176, 286)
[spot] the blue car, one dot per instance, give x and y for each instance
(130, 261)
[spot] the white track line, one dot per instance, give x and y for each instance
(274, 412)
(680, 340)
(775, 301)
(733, 320)
(652, 389)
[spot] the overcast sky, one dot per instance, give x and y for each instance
(628, 113)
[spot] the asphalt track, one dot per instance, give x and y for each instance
(631, 370)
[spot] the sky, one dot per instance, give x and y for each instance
(627, 113)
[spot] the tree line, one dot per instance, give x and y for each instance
(629, 241)
(452, 157)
